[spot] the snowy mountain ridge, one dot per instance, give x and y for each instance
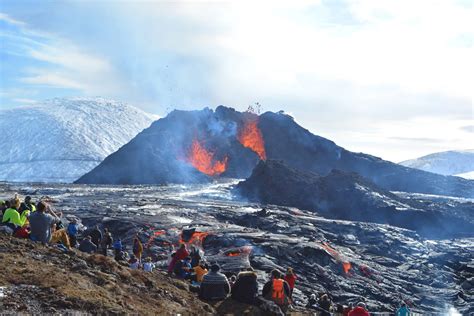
(454, 162)
(59, 140)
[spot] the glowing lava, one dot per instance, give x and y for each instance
(196, 239)
(251, 137)
(203, 160)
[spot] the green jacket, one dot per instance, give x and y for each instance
(12, 216)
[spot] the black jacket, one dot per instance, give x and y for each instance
(245, 289)
(214, 286)
(87, 246)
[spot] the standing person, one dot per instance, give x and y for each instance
(215, 285)
(96, 236)
(312, 302)
(277, 290)
(290, 277)
(359, 310)
(180, 254)
(72, 230)
(137, 248)
(325, 305)
(106, 242)
(403, 310)
(245, 288)
(118, 247)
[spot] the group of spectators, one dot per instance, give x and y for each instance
(40, 223)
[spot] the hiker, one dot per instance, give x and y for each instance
(183, 268)
(137, 248)
(87, 245)
(312, 302)
(148, 266)
(359, 310)
(325, 305)
(3, 207)
(215, 285)
(195, 256)
(245, 289)
(72, 230)
(180, 254)
(290, 278)
(277, 290)
(12, 218)
(27, 206)
(199, 272)
(134, 264)
(403, 310)
(106, 242)
(118, 247)
(96, 235)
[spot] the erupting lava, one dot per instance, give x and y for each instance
(203, 160)
(251, 137)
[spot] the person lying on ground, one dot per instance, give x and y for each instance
(215, 285)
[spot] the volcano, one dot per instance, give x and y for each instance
(198, 146)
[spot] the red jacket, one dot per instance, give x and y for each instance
(291, 280)
(359, 311)
(181, 253)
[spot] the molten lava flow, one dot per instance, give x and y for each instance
(346, 266)
(197, 239)
(251, 137)
(203, 160)
(245, 250)
(152, 237)
(233, 254)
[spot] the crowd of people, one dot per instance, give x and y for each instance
(40, 223)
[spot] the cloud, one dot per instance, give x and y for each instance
(468, 128)
(6, 18)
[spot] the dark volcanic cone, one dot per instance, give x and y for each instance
(160, 154)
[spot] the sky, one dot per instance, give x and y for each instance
(390, 78)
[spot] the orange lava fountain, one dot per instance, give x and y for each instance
(203, 160)
(251, 137)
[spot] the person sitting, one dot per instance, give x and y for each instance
(403, 310)
(148, 266)
(87, 245)
(72, 231)
(96, 235)
(199, 272)
(215, 285)
(183, 268)
(312, 302)
(277, 290)
(41, 224)
(11, 216)
(27, 206)
(360, 310)
(245, 289)
(325, 305)
(180, 254)
(195, 256)
(290, 278)
(3, 206)
(133, 263)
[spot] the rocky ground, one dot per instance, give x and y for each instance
(383, 264)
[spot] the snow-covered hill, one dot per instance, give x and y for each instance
(460, 163)
(59, 140)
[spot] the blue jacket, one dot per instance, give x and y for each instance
(403, 311)
(118, 245)
(72, 229)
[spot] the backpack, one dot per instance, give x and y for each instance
(278, 292)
